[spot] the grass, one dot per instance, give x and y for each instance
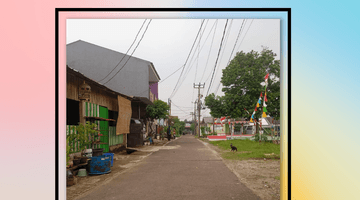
(203, 139)
(247, 149)
(277, 178)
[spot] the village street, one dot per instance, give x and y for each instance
(187, 169)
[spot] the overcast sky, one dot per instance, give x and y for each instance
(167, 44)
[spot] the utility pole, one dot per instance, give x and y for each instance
(169, 103)
(199, 103)
(195, 116)
(192, 115)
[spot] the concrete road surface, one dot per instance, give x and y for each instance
(185, 169)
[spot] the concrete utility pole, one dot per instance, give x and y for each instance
(195, 116)
(192, 120)
(169, 103)
(199, 102)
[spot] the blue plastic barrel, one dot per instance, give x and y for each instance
(112, 157)
(100, 164)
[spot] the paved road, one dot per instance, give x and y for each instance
(185, 169)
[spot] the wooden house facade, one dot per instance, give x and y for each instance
(102, 107)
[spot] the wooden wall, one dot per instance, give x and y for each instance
(135, 110)
(98, 95)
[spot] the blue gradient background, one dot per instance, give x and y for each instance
(324, 88)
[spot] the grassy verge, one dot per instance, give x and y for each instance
(203, 139)
(247, 149)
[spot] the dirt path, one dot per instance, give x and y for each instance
(261, 176)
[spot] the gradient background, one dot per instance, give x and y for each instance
(324, 111)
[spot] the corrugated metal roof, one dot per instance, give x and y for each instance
(96, 62)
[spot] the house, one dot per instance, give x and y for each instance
(122, 73)
(87, 100)
(188, 128)
(209, 123)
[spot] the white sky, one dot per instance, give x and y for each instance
(167, 44)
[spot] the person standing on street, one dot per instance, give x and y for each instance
(169, 133)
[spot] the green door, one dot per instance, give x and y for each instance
(104, 128)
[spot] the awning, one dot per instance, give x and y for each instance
(143, 100)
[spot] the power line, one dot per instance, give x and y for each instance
(163, 79)
(217, 56)
(180, 108)
(245, 34)
(131, 53)
(217, 88)
(125, 53)
(234, 48)
(198, 48)
(222, 53)
(171, 74)
(191, 65)
(172, 94)
(236, 41)
(197, 58)
(209, 51)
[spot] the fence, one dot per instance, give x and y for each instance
(74, 145)
(113, 138)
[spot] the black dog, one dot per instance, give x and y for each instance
(233, 148)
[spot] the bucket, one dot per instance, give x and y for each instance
(100, 164)
(112, 157)
(82, 172)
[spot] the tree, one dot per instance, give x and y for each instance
(159, 110)
(216, 105)
(192, 127)
(202, 130)
(243, 81)
(179, 126)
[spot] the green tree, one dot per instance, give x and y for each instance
(192, 126)
(179, 126)
(159, 110)
(202, 130)
(243, 81)
(216, 105)
(208, 129)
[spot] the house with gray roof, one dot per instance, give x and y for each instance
(122, 73)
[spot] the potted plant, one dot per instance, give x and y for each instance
(85, 132)
(70, 139)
